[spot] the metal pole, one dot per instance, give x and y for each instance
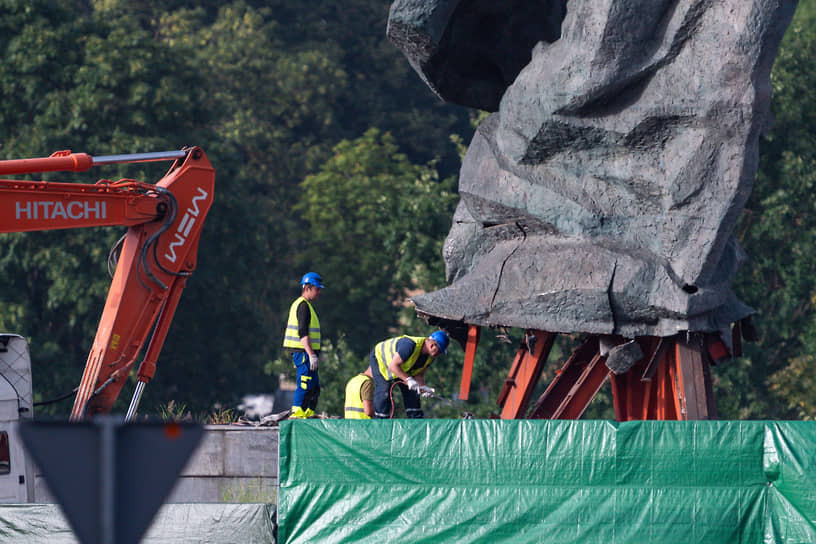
(134, 402)
(107, 459)
(139, 157)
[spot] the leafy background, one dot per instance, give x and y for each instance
(330, 155)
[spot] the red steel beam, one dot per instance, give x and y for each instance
(671, 382)
(736, 339)
(695, 390)
(474, 332)
(548, 403)
(584, 389)
(632, 391)
(525, 373)
(510, 380)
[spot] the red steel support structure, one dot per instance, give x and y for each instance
(470, 354)
(672, 381)
(524, 373)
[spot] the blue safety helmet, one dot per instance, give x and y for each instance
(441, 339)
(312, 278)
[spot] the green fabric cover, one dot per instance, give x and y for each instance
(394, 481)
(173, 524)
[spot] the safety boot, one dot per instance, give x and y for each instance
(309, 412)
(297, 413)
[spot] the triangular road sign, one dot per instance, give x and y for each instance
(110, 477)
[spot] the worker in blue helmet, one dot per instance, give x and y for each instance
(401, 362)
(302, 340)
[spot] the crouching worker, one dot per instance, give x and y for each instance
(402, 362)
(360, 396)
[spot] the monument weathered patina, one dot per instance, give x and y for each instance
(601, 193)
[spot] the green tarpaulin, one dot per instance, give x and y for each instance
(173, 524)
(394, 481)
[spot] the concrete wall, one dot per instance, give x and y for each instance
(233, 464)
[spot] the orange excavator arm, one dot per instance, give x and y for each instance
(157, 254)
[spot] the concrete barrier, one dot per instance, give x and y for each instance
(233, 464)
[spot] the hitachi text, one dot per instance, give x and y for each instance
(51, 210)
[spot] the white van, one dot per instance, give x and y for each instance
(16, 403)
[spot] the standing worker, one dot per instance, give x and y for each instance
(403, 360)
(360, 396)
(302, 339)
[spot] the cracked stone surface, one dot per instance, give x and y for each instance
(601, 193)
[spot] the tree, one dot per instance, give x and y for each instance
(374, 232)
(66, 81)
(778, 231)
(273, 116)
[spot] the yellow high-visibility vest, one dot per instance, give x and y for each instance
(385, 351)
(291, 338)
(355, 409)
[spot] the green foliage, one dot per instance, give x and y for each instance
(221, 416)
(796, 383)
(338, 364)
(173, 412)
(265, 89)
(253, 490)
(778, 232)
(374, 223)
(330, 155)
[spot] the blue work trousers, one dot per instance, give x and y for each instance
(308, 382)
(383, 391)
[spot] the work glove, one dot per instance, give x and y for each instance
(426, 391)
(412, 384)
(313, 360)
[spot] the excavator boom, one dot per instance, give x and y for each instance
(157, 255)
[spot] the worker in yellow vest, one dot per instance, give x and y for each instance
(401, 362)
(302, 340)
(360, 396)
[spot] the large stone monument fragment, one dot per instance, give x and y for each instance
(601, 194)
